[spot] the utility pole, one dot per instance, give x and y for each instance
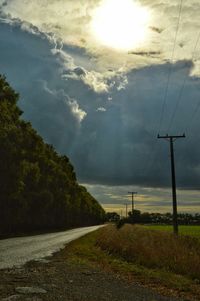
(126, 210)
(171, 139)
(132, 194)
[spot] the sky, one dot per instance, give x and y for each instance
(99, 79)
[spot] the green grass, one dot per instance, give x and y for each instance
(193, 231)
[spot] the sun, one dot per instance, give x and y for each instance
(120, 24)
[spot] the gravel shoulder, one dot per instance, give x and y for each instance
(65, 277)
(63, 280)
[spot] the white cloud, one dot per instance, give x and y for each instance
(96, 81)
(78, 113)
(46, 88)
(122, 83)
(101, 109)
(99, 82)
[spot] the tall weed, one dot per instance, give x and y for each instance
(153, 249)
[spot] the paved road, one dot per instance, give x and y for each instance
(18, 251)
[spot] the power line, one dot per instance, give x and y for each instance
(152, 154)
(170, 67)
(193, 117)
(182, 87)
(151, 159)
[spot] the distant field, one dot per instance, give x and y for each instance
(193, 231)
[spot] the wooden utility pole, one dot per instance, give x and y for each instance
(132, 194)
(126, 210)
(171, 139)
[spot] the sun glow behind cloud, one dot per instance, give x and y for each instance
(70, 23)
(77, 77)
(122, 24)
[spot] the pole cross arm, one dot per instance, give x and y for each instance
(171, 136)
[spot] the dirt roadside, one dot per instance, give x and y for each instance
(65, 280)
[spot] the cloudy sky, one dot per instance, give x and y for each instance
(99, 79)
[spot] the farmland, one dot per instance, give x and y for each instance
(193, 231)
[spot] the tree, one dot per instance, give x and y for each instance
(112, 217)
(38, 187)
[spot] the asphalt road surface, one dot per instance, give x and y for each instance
(18, 251)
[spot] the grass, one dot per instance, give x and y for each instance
(153, 249)
(87, 251)
(193, 231)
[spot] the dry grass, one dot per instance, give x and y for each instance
(153, 249)
(86, 252)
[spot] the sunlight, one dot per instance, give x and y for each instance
(121, 24)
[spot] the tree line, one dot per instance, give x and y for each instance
(137, 217)
(38, 187)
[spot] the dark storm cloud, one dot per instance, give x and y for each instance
(31, 68)
(156, 29)
(146, 53)
(118, 147)
(124, 149)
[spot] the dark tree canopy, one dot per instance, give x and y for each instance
(38, 187)
(137, 217)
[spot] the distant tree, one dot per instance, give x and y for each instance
(112, 217)
(145, 218)
(135, 216)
